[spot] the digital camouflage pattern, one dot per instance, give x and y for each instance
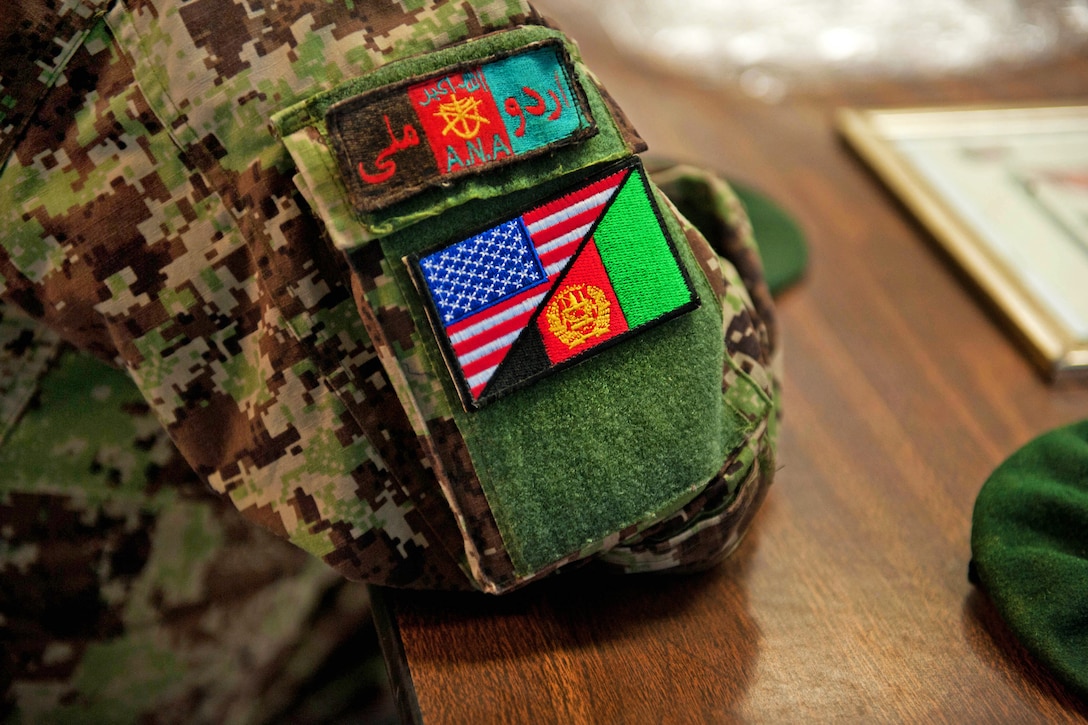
(130, 590)
(152, 219)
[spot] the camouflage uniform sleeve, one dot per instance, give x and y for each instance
(131, 592)
(154, 220)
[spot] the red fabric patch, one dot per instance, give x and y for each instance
(583, 311)
(460, 120)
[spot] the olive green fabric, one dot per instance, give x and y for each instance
(711, 204)
(781, 242)
(1029, 541)
(603, 421)
(131, 593)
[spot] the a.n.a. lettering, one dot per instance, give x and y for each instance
(476, 153)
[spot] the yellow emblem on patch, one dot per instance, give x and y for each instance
(462, 116)
(578, 313)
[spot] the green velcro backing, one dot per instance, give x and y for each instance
(1029, 542)
(618, 440)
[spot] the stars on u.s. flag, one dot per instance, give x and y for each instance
(480, 270)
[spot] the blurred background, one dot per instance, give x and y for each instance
(773, 48)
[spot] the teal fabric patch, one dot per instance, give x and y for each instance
(393, 141)
(541, 103)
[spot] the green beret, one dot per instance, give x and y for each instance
(1029, 541)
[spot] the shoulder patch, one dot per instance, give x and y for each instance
(394, 141)
(552, 286)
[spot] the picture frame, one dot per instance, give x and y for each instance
(1005, 192)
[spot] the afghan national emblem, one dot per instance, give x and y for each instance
(462, 116)
(578, 312)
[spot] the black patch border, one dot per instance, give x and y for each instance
(365, 203)
(434, 317)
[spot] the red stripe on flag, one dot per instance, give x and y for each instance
(494, 311)
(487, 361)
(489, 335)
(563, 226)
(559, 255)
(490, 322)
(611, 181)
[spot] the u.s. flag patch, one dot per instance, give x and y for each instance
(552, 286)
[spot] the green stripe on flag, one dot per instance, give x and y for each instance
(639, 260)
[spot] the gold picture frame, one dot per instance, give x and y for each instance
(1005, 191)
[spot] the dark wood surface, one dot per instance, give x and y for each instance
(849, 599)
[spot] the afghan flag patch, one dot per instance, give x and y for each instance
(552, 286)
(393, 141)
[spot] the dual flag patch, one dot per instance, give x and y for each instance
(553, 285)
(396, 140)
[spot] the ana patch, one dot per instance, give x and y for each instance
(396, 140)
(553, 285)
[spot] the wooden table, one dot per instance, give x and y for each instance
(849, 599)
